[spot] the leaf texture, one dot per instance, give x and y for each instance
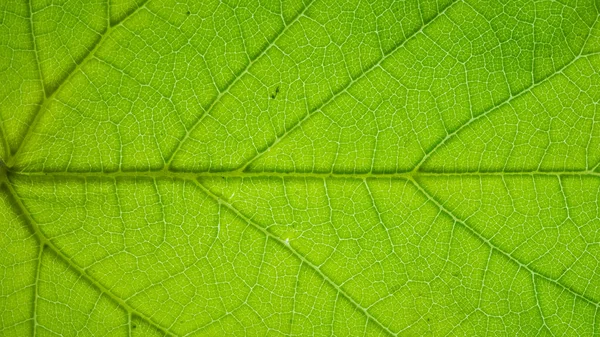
(305, 168)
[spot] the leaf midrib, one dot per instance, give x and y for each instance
(166, 174)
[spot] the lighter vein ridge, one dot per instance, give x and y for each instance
(296, 254)
(492, 246)
(36, 285)
(538, 304)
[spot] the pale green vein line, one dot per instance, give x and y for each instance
(44, 104)
(217, 320)
(485, 271)
(335, 302)
(305, 175)
(224, 92)
(36, 289)
(116, 23)
(46, 242)
(302, 259)
(10, 328)
(595, 321)
(241, 30)
(509, 256)
(511, 98)
(379, 219)
(538, 304)
(595, 168)
(561, 185)
(595, 124)
(344, 89)
(295, 298)
(35, 49)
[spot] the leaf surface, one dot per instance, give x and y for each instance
(414, 168)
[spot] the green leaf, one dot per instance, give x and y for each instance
(412, 168)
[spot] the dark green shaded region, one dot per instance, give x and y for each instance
(3, 172)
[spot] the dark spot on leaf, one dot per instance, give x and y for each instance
(395, 288)
(274, 95)
(134, 326)
(188, 13)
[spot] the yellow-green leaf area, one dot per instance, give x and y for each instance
(299, 168)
